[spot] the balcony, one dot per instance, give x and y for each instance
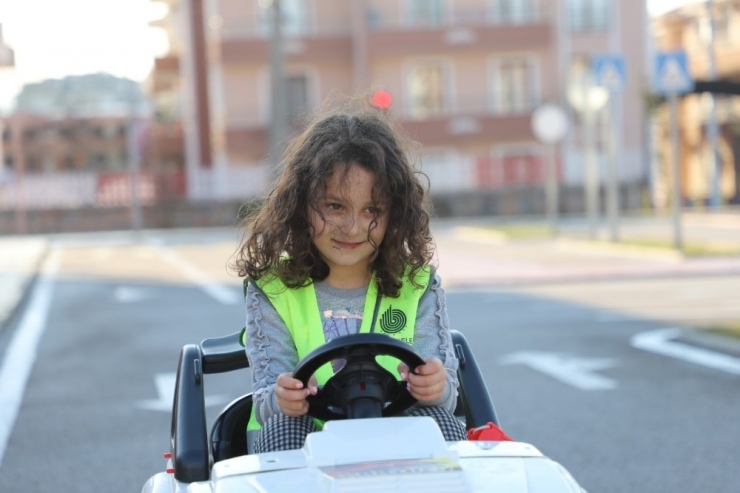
(323, 37)
(252, 140)
(443, 32)
(318, 47)
(459, 128)
(451, 128)
(448, 39)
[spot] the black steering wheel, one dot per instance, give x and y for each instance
(362, 388)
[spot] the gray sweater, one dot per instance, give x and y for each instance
(271, 350)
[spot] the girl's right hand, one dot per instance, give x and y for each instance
(291, 396)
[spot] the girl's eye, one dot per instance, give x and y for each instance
(333, 206)
(375, 211)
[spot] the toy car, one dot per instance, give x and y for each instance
(362, 447)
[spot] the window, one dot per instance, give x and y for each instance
(514, 86)
(33, 164)
(426, 86)
(513, 11)
(723, 21)
(298, 96)
(294, 17)
(296, 87)
(589, 15)
(424, 12)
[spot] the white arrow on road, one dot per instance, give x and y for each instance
(661, 342)
(574, 371)
(165, 383)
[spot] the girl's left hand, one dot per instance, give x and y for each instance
(428, 382)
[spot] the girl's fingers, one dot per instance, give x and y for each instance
(433, 365)
(434, 391)
(403, 370)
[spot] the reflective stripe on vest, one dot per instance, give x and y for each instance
(299, 310)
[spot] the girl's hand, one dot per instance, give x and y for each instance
(429, 381)
(291, 396)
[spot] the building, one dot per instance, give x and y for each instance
(73, 142)
(687, 29)
(73, 124)
(7, 55)
(464, 76)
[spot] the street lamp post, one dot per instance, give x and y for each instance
(715, 163)
(587, 99)
(278, 128)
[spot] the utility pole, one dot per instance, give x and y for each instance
(133, 145)
(279, 124)
(676, 170)
(195, 105)
(715, 201)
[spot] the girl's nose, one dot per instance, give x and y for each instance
(351, 223)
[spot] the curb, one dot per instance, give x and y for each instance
(623, 250)
(711, 341)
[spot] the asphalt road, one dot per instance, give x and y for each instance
(560, 367)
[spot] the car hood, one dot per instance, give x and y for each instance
(388, 454)
(396, 454)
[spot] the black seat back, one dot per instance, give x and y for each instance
(473, 401)
(229, 431)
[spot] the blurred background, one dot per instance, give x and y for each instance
(122, 114)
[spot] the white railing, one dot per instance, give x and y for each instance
(447, 174)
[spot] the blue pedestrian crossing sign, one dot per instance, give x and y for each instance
(609, 72)
(671, 73)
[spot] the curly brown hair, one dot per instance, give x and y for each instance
(277, 236)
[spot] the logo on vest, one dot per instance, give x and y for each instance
(392, 321)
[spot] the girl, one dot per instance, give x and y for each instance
(345, 225)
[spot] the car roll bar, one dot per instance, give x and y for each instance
(188, 435)
(479, 409)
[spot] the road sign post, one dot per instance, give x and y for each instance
(671, 77)
(610, 73)
(550, 124)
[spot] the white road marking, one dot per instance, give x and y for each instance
(661, 342)
(130, 294)
(215, 290)
(574, 371)
(165, 384)
(22, 349)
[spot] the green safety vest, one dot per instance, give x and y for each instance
(299, 310)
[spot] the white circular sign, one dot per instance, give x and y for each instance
(549, 123)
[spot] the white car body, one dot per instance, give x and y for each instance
(407, 454)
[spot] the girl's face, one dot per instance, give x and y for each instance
(344, 237)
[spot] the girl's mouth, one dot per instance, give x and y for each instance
(343, 245)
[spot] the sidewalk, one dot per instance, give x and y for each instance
(20, 258)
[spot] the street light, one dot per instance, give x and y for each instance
(715, 162)
(587, 99)
(279, 124)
